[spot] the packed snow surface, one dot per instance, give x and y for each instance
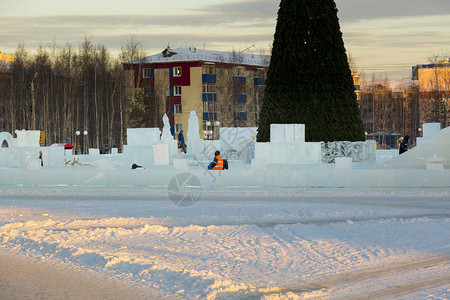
(234, 244)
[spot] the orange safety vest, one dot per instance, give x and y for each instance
(219, 164)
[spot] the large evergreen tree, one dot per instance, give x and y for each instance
(309, 80)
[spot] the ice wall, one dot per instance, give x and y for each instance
(22, 152)
(161, 154)
(139, 148)
(273, 177)
(428, 129)
(143, 136)
(6, 136)
(360, 152)
(238, 143)
(287, 146)
(210, 147)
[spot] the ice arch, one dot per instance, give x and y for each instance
(6, 136)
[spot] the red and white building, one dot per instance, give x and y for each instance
(224, 88)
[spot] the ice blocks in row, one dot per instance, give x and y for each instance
(287, 133)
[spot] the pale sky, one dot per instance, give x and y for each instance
(383, 36)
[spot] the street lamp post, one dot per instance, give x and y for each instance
(77, 143)
(85, 133)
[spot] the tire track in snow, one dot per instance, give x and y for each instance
(405, 289)
(352, 278)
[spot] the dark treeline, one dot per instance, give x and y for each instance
(64, 90)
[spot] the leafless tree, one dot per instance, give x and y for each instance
(62, 90)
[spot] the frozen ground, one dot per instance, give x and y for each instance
(285, 244)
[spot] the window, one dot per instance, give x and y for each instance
(177, 90)
(240, 107)
(259, 73)
(209, 106)
(147, 73)
(240, 116)
(177, 72)
(209, 88)
(239, 71)
(177, 109)
(240, 80)
(209, 69)
(178, 127)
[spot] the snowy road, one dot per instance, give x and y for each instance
(328, 244)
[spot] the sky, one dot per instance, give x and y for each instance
(385, 37)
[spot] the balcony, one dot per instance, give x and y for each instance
(241, 98)
(240, 116)
(259, 81)
(209, 116)
(209, 97)
(208, 78)
(240, 80)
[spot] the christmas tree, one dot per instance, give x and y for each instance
(309, 80)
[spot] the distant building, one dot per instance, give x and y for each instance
(357, 85)
(6, 57)
(390, 110)
(434, 86)
(224, 88)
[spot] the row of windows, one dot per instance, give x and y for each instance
(210, 89)
(207, 69)
(148, 72)
(237, 71)
(210, 108)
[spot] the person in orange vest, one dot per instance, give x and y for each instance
(218, 163)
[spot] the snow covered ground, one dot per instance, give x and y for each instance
(235, 244)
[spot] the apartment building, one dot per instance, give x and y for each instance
(224, 88)
(434, 87)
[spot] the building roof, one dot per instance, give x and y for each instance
(194, 54)
(394, 86)
(442, 64)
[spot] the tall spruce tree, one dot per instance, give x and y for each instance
(309, 80)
